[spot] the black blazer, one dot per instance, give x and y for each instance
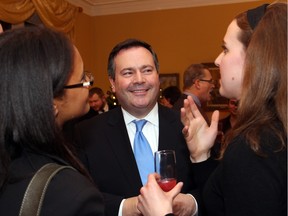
(109, 157)
(69, 192)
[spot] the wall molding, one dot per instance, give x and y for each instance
(109, 7)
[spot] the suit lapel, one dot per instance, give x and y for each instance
(166, 128)
(121, 147)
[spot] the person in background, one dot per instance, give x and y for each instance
(251, 178)
(170, 95)
(43, 85)
(133, 71)
(228, 122)
(197, 82)
(97, 100)
(1, 29)
(98, 105)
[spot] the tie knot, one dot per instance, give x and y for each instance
(140, 124)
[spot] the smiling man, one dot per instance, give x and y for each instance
(136, 81)
(109, 140)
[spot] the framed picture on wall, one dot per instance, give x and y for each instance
(217, 102)
(167, 80)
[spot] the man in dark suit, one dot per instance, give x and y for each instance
(108, 138)
(197, 82)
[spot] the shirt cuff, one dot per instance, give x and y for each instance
(195, 213)
(121, 207)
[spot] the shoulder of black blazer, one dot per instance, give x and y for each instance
(115, 115)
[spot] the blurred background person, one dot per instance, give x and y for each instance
(97, 100)
(169, 96)
(98, 104)
(197, 82)
(228, 122)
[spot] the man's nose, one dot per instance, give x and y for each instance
(139, 77)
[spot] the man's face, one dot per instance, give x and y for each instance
(136, 81)
(206, 87)
(97, 103)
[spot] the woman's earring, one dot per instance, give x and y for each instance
(56, 111)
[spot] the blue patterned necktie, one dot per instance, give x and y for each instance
(142, 151)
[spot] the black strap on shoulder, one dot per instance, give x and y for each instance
(35, 192)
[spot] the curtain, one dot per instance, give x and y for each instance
(56, 14)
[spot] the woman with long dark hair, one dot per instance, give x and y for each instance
(42, 86)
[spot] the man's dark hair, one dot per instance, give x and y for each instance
(127, 44)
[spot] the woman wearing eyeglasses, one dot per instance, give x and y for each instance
(43, 85)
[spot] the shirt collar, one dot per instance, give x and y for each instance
(106, 108)
(152, 116)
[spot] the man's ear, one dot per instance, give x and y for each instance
(112, 82)
(197, 83)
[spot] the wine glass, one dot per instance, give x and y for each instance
(165, 166)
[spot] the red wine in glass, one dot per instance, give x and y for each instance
(167, 184)
(165, 166)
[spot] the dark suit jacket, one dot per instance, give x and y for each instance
(69, 192)
(109, 157)
(69, 126)
(179, 104)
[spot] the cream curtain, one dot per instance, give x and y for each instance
(56, 14)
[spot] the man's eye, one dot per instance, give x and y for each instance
(127, 73)
(148, 70)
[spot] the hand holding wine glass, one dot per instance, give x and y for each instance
(154, 201)
(165, 166)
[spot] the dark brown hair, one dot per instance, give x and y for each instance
(127, 44)
(263, 103)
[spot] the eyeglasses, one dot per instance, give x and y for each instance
(211, 81)
(88, 78)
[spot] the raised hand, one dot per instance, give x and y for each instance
(199, 136)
